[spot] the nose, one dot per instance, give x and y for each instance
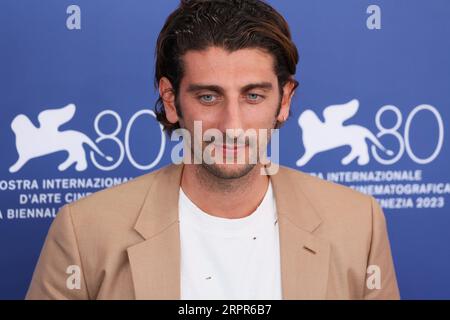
(231, 119)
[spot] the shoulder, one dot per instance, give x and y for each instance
(336, 204)
(315, 186)
(349, 220)
(119, 204)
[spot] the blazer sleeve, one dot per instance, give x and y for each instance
(59, 272)
(381, 281)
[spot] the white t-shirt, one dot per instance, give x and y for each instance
(230, 258)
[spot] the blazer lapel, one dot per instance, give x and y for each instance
(304, 256)
(155, 262)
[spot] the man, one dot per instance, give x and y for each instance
(220, 230)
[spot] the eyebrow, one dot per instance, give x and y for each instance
(211, 87)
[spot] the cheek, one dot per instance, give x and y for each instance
(264, 117)
(188, 111)
(209, 118)
(191, 108)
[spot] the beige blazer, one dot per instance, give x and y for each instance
(125, 242)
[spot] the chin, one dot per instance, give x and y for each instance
(229, 171)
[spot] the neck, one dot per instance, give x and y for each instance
(225, 198)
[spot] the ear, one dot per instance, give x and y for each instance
(167, 94)
(288, 93)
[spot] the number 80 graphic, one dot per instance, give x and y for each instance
(404, 141)
(124, 148)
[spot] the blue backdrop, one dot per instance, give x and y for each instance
(392, 58)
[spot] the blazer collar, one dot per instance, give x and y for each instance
(155, 262)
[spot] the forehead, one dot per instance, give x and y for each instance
(218, 66)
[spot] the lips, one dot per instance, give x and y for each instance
(230, 148)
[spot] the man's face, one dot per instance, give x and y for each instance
(223, 90)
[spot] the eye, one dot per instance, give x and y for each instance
(207, 98)
(254, 97)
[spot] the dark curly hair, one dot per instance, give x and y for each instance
(230, 24)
